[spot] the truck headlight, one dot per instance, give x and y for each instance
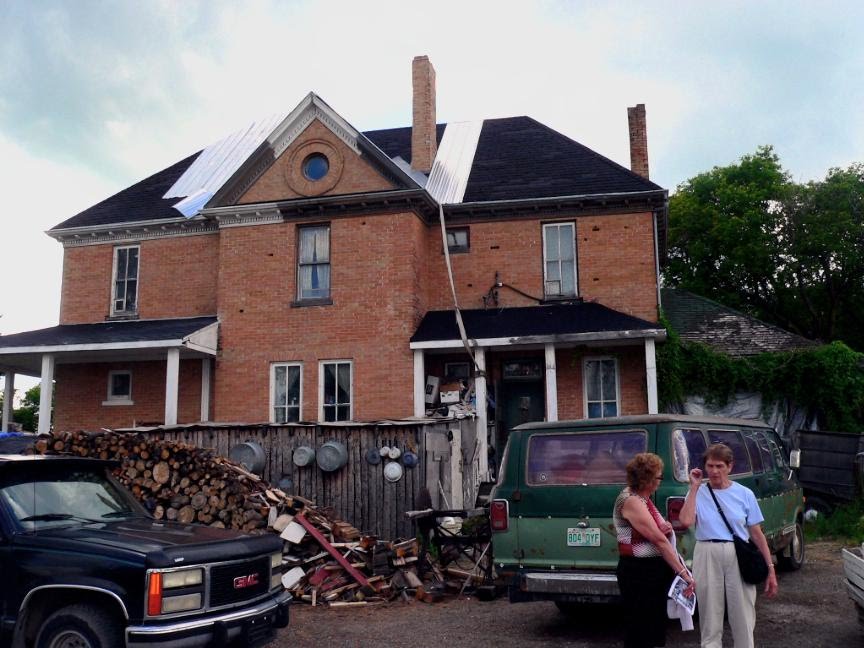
(182, 578)
(181, 603)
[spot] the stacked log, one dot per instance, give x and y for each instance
(325, 560)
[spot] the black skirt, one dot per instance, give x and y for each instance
(644, 583)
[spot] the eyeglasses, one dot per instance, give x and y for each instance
(659, 478)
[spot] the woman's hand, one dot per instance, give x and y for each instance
(695, 478)
(771, 584)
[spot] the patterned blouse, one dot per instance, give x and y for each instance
(630, 541)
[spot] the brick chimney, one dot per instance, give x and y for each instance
(424, 145)
(638, 140)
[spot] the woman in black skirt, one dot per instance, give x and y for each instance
(647, 560)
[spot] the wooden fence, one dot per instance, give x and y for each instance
(358, 492)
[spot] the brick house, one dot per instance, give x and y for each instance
(296, 271)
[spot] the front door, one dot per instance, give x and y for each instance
(519, 401)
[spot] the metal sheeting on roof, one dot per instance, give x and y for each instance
(218, 162)
(449, 176)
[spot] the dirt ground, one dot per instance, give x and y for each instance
(812, 610)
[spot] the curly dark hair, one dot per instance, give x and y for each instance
(642, 469)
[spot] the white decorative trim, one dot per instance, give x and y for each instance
(244, 219)
(130, 234)
(563, 338)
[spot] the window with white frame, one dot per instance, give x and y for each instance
(458, 240)
(119, 388)
(286, 392)
(313, 263)
(559, 260)
(600, 376)
(125, 288)
(335, 390)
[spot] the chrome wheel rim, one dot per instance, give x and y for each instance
(798, 544)
(70, 639)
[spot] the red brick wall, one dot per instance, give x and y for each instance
(81, 389)
(615, 263)
(348, 173)
(374, 312)
(177, 278)
(631, 379)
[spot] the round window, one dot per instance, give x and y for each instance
(316, 166)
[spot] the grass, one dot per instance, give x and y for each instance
(845, 523)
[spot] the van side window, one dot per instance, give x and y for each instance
(753, 450)
(733, 439)
(779, 459)
(688, 446)
(582, 458)
(765, 451)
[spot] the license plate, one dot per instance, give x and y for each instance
(583, 537)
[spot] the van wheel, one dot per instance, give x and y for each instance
(80, 626)
(792, 557)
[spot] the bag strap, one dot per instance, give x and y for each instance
(720, 510)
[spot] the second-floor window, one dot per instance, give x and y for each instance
(336, 390)
(286, 394)
(125, 290)
(559, 260)
(458, 240)
(313, 263)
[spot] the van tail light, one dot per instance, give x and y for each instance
(154, 594)
(499, 512)
(673, 514)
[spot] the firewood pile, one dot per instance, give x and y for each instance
(326, 560)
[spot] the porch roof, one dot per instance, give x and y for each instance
(559, 323)
(113, 341)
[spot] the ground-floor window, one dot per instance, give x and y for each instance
(601, 387)
(286, 392)
(119, 388)
(335, 390)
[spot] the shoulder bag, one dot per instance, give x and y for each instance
(751, 562)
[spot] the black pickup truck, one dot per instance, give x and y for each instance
(84, 565)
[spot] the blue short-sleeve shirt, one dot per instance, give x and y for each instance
(738, 503)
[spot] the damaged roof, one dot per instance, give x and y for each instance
(516, 159)
(699, 319)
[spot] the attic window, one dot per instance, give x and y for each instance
(316, 166)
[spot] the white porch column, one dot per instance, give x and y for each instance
(8, 395)
(419, 384)
(172, 383)
(480, 408)
(46, 393)
(205, 389)
(551, 384)
(651, 375)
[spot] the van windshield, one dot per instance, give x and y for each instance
(582, 457)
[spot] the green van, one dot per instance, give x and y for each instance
(551, 509)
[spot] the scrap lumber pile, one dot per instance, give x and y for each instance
(326, 560)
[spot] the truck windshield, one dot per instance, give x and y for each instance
(63, 499)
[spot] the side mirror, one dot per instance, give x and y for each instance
(795, 459)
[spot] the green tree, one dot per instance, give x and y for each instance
(792, 254)
(28, 414)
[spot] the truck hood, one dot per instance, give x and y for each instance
(162, 543)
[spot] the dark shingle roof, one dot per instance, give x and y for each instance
(107, 332)
(517, 158)
(698, 319)
(545, 320)
(141, 202)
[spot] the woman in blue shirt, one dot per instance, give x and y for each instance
(719, 586)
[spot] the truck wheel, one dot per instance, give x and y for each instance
(792, 557)
(80, 626)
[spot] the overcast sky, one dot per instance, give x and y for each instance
(97, 95)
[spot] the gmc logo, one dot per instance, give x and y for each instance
(242, 582)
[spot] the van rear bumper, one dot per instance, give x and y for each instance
(566, 586)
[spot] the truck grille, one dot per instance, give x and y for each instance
(229, 583)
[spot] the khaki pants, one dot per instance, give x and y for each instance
(718, 581)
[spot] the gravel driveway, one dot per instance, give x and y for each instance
(811, 611)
